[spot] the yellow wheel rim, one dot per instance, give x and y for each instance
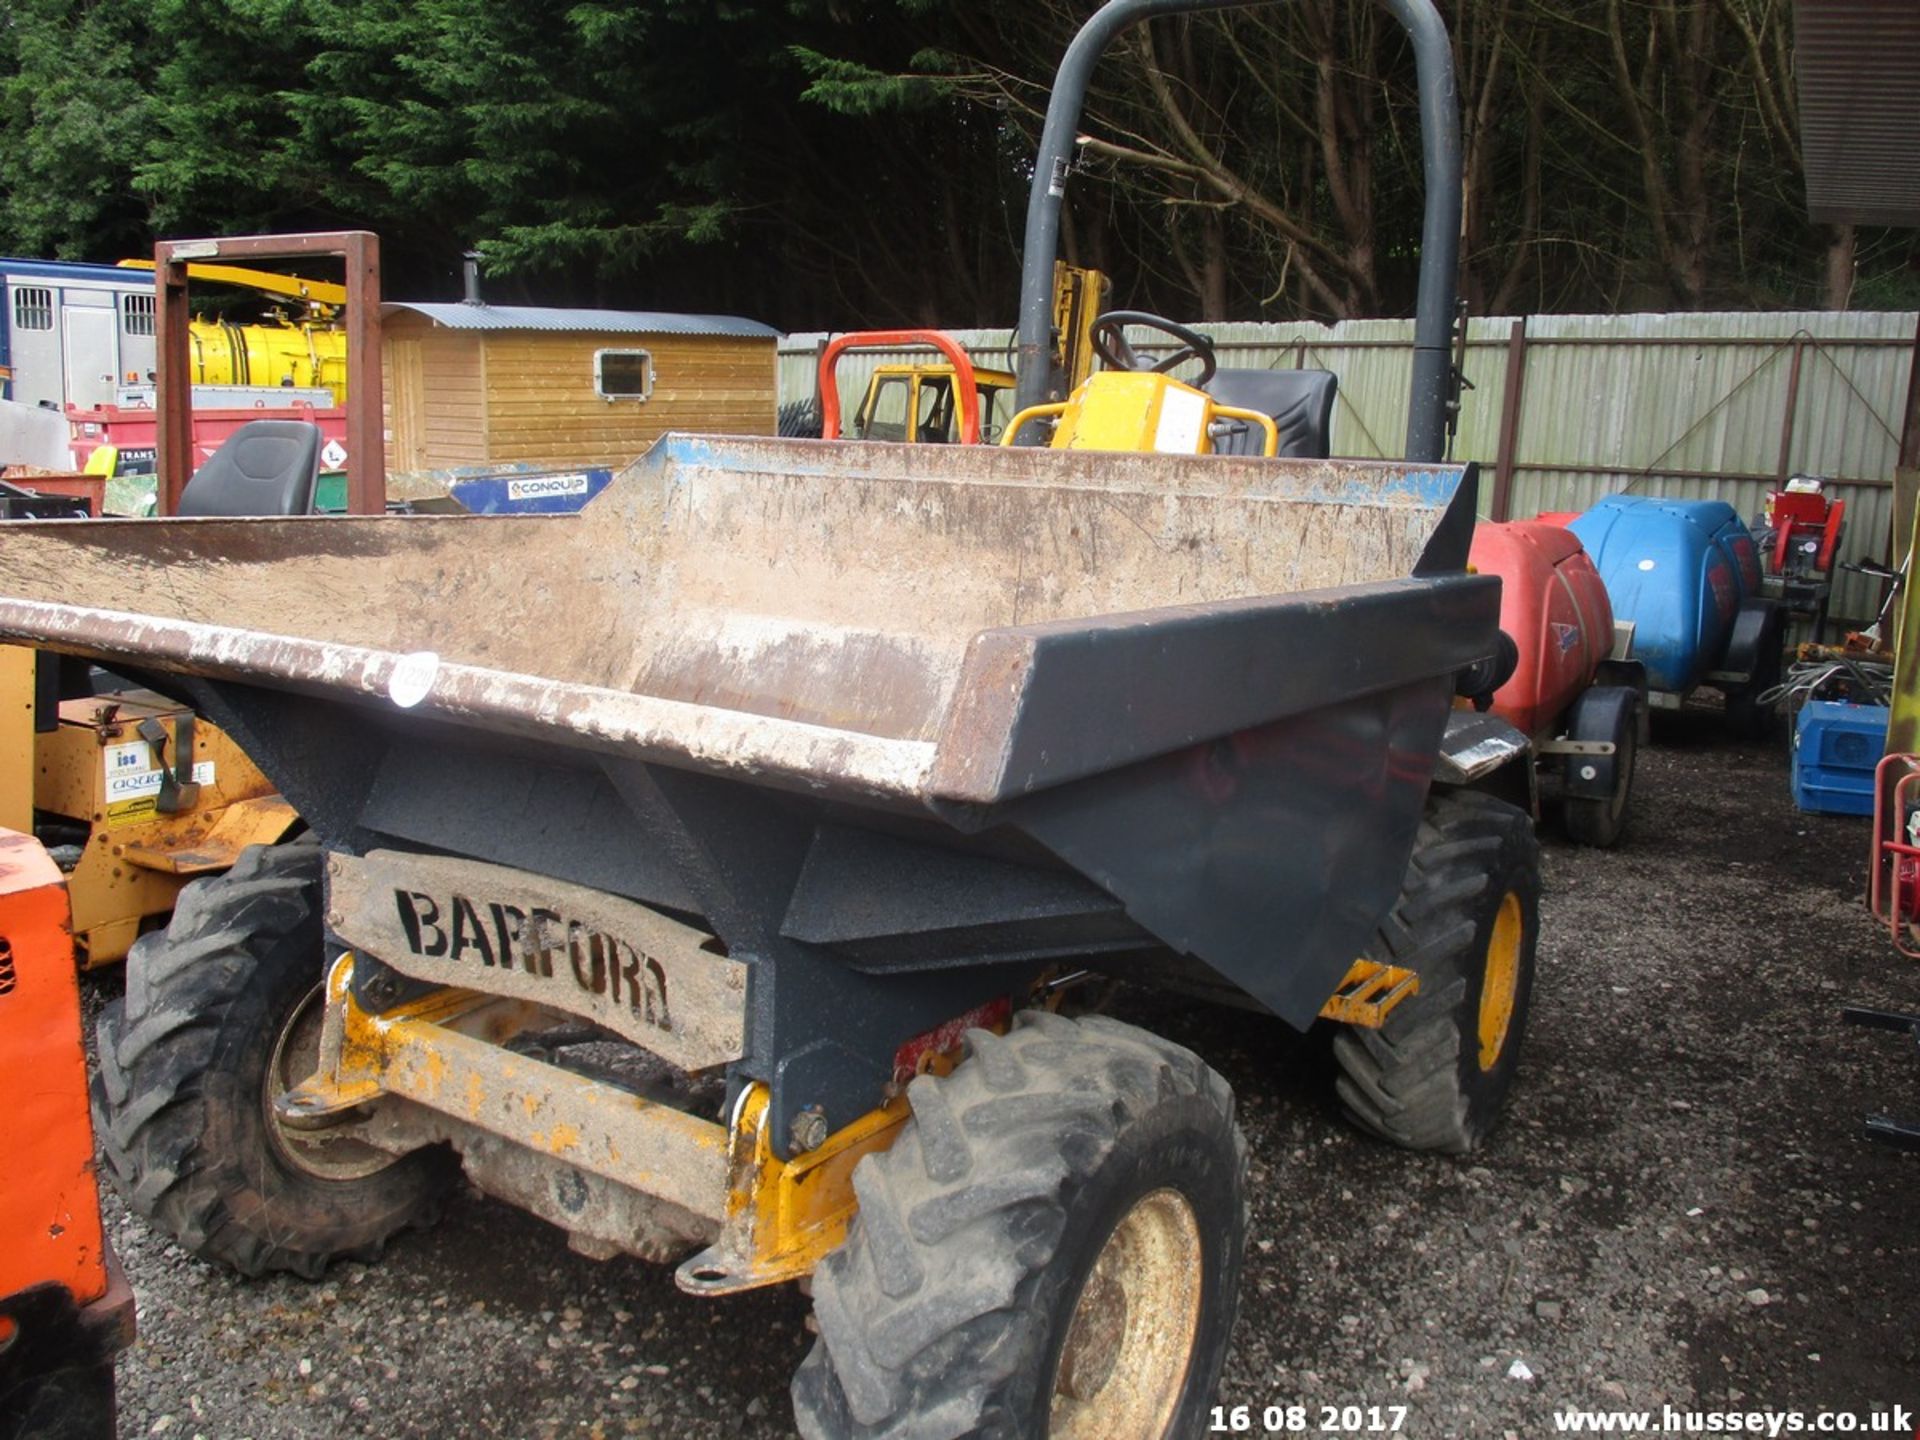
(1500, 980)
(1128, 1346)
(323, 1153)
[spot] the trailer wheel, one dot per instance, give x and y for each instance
(222, 1012)
(1747, 718)
(1436, 1075)
(1600, 820)
(1052, 1248)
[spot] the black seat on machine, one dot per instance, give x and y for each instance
(266, 467)
(1300, 402)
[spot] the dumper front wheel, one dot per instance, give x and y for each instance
(1436, 1075)
(222, 1013)
(1050, 1251)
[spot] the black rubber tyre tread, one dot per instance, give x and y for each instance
(1416, 1081)
(177, 1100)
(933, 1315)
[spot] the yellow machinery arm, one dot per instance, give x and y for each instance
(319, 292)
(1079, 295)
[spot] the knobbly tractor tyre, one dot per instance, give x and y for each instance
(1436, 1075)
(1050, 1251)
(222, 1012)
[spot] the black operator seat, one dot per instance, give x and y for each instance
(266, 467)
(1300, 402)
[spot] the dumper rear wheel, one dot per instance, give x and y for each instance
(221, 1013)
(1052, 1248)
(1436, 1075)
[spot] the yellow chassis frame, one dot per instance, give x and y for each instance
(772, 1220)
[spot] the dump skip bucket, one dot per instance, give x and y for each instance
(985, 636)
(826, 613)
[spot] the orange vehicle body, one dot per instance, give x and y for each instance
(64, 1308)
(1554, 605)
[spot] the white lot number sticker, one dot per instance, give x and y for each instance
(1183, 415)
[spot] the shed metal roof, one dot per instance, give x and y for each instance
(464, 315)
(1858, 65)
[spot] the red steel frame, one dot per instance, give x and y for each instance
(366, 443)
(969, 392)
(1892, 896)
(1792, 519)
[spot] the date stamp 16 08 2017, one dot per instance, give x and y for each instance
(1389, 1419)
(1308, 1419)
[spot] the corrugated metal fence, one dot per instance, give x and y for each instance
(1566, 408)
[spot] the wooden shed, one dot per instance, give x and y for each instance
(472, 384)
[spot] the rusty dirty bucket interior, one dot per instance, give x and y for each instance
(801, 608)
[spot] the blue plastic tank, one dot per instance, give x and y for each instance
(1679, 570)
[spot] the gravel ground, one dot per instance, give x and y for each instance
(1677, 1210)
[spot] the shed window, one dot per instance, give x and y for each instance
(138, 310)
(623, 374)
(33, 308)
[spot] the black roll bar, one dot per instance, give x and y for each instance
(1440, 231)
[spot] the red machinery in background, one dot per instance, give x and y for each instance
(65, 1309)
(1583, 706)
(1800, 529)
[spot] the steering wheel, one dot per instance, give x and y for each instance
(1110, 344)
